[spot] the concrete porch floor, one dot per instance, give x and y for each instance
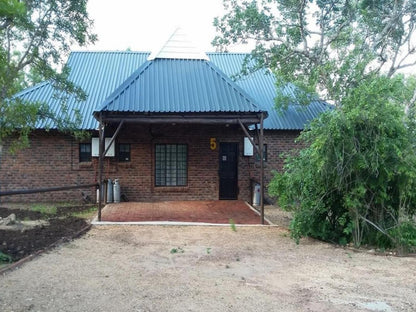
(216, 212)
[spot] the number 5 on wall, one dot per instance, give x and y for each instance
(213, 144)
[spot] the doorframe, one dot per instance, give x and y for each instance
(237, 156)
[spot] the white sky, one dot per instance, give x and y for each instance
(145, 25)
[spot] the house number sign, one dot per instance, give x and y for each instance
(213, 144)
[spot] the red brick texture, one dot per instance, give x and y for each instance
(278, 143)
(52, 160)
(218, 211)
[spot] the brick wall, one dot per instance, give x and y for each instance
(50, 161)
(53, 160)
(278, 143)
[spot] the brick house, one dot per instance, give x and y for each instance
(180, 126)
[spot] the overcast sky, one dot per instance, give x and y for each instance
(144, 25)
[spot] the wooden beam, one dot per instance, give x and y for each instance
(114, 136)
(249, 137)
(208, 120)
(100, 166)
(261, 143)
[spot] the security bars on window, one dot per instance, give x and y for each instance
(171, 165)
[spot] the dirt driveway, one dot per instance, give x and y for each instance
(168, 268)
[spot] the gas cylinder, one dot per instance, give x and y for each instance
(116, 189)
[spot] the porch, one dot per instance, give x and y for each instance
(207, 212)
(194, 119)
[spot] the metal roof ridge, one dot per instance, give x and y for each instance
(123, 86)
(32, 88)
(254, 106)
(235, 86)
(178, 46)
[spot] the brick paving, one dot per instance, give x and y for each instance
(220, 212)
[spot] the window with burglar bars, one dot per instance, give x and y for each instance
(171, 164)
(84, 152)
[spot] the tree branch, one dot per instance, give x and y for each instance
(301, 21)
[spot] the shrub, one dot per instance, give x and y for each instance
(357, 175)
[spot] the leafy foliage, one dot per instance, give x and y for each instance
(323, 47)
(357, 176)
(35, 36)
(4, 258)
(354, 180)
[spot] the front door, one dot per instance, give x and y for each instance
(228, 171)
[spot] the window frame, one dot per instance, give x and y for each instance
(180, 170)
(264, 154)
(84, 156)
(119, 153)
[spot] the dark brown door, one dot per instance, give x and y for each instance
(228, 170)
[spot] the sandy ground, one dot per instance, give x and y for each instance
(168, 268)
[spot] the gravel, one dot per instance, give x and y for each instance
(179, 268)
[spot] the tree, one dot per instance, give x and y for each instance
(357, 175)
(323, 47)
(355, 178)
(35, 37)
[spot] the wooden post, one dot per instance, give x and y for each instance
(261, 153)
(100, 165)
(259, 150)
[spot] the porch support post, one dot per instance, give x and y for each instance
(261, 139)
(259, 151)
(100, 165)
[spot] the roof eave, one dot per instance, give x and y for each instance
(182, 118)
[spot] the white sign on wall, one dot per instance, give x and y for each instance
(95, 147)
(248, 147)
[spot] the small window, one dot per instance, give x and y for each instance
(171, 165)
(84, 152)
(264, 154)
(123, 152)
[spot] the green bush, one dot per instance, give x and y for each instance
(404, 236)
(4, 258)
(357, 175)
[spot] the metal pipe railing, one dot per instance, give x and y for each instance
(49, 189)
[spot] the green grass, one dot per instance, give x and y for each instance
(232, 224)
(51, 209)
(45, 209)
(177, 250)
(86, 214)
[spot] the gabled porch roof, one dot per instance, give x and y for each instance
(179, 90)
(179, 84)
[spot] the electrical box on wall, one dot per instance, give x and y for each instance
(95, 147)
(248, 147)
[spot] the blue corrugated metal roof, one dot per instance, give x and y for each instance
(100, 74)
(97, 73)
(261, 85)
(179, 86)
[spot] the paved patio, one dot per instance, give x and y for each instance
(217, 212)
